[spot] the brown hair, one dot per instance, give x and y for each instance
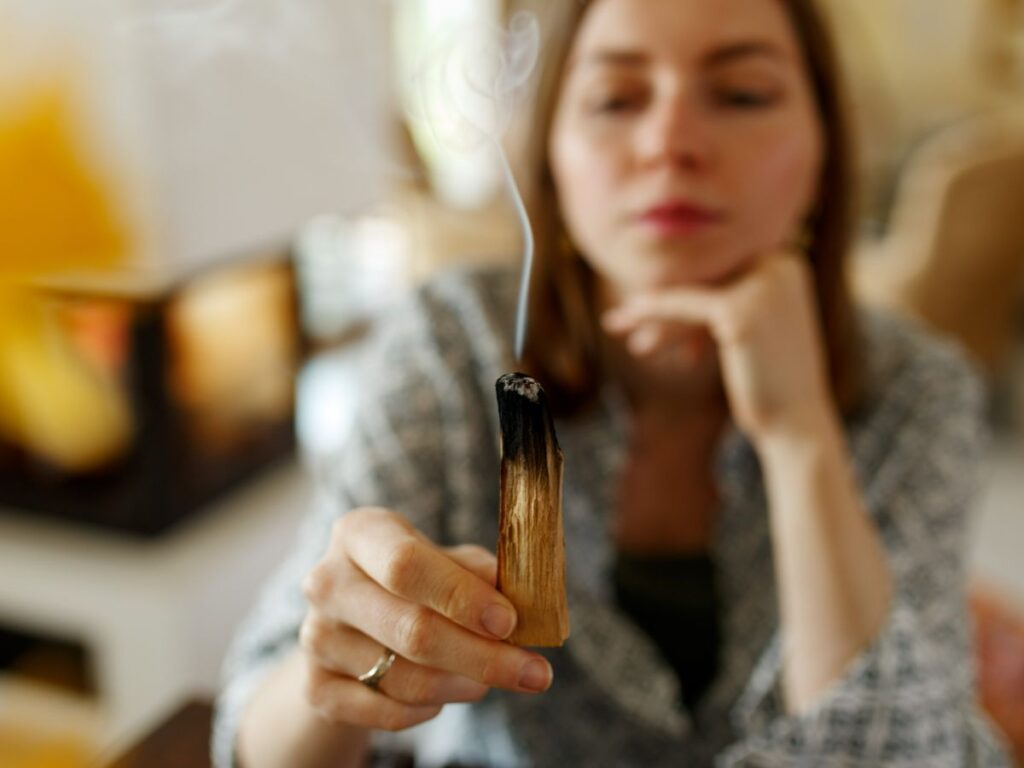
(561, 347)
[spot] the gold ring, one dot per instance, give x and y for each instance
(372, 678)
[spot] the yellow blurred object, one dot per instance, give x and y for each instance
(225, 374)
(51, 403)
(21, 751)
(56, 212)
(44, 727)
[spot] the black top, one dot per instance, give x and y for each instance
(673, 599)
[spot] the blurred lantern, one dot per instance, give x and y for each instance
(67, 202)
(156, 159)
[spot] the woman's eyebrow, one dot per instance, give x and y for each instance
(720, 56)
(727, 54)
(623, 57)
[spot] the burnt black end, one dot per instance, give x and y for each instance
(527, 430)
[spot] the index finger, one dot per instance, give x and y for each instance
(408, 565)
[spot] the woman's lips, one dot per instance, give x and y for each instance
(679, 218)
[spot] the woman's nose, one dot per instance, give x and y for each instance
(676, 133)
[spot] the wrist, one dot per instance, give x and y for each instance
(281, 728)
(812, 432)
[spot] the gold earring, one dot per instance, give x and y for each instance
(565, 247)
(803, 239)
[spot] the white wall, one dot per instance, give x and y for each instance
(263, 114)
(216, 126)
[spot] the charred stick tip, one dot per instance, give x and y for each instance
(520, 384)
(526, 424)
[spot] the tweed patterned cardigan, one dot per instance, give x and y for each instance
(426, 445)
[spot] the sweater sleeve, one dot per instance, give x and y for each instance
(394, 457)
(908, 698)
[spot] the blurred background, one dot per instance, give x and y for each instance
(204, 204)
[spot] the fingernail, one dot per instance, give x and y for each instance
(536, 676)
(498, 620)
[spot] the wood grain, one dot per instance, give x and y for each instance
(531, 545)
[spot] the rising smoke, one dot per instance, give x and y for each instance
(465, 90)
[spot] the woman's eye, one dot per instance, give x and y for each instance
(744, 98)
(615, 104)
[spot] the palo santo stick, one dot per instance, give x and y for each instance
(531, 547)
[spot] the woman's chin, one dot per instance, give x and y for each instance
(692, 278)
(705, 272)
(652, 274)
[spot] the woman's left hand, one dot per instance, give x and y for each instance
(765, 325)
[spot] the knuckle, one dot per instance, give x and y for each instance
(369, 516)
(353, 522)
(318, 584)
(306, 633)
(416, 633)
(313, 636)
(494, 672)
(424, 688)
(472, 552)
(451, 597)
(400, 570)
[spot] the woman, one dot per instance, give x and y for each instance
(764, 492)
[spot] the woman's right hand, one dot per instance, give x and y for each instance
(383, 584)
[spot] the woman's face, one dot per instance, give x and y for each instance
(686, 140)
